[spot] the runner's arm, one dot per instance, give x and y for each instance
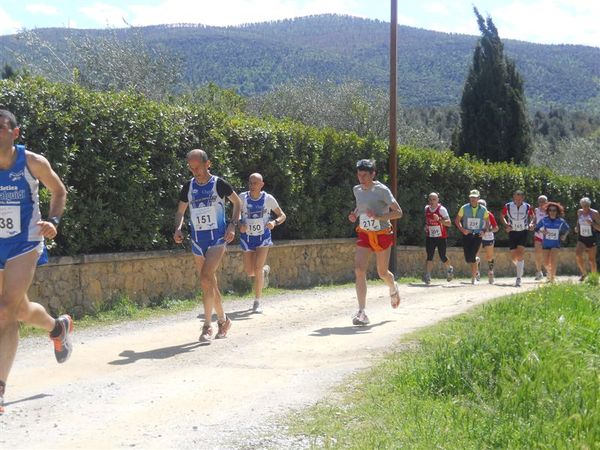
(178, 234)
(278, 220)
(40, 168)
(235, 216)
(394, 213)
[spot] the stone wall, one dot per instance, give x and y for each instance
(81, 284)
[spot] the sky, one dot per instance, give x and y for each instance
(541, 21)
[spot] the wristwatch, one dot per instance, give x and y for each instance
(54, 220)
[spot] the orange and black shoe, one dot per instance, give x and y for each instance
(224, 327)
(63, 346)
(2, 388)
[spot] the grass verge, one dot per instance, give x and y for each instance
(521, 372)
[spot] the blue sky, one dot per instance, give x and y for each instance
(543, 21)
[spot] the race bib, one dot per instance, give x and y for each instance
(518, 226)
(10, 221)
(204, 218)
(552, 234)
(435, 231)
(585, 230)
(255, 227)
(473, 223)
(369, 224)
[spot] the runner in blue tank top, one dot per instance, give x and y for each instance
(255, 228)
(22, 233)
(554, 230)
(205, 196)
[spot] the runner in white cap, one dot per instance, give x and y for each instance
(588, 226)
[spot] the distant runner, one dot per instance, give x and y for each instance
(554, 229)
(516, 216)
(375, 207)
(588, 226)
(472, 220)
(22, 233)
(437, 222)
(255, 228)
(488, 241)
(205, 195)
(540, 213)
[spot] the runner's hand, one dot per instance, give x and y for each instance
(270, 224)
(178, 236)
(230, 233)
(47, 229)
(352, 217)
(243, 227)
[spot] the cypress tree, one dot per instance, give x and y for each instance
(494, 123)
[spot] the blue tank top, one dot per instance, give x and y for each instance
(256, 215)
(207, 211)
(19, 202)
(473, 222)
(555, 228)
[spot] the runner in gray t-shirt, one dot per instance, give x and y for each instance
(375, 207)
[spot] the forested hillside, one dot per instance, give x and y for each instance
(255, 58)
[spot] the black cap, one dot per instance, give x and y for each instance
(367, 165)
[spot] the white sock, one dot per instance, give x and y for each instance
(520, 268)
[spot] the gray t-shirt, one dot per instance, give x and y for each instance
(379, 198)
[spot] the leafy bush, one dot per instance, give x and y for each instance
(122, 158)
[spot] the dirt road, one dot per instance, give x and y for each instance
(152, 385)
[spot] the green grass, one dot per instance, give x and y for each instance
(520, 372)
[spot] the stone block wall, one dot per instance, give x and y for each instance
(82, 284)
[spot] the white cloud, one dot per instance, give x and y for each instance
(437, 8)
(7, 24)
(550, 21)
(235, 12)
(105, 15)
(41, 8)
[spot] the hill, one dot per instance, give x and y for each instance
(432, 65)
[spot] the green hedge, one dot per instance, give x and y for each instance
(122, 158)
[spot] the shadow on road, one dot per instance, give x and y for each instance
(159, 353)
(28, 399)
(344, 331)
(243, 314)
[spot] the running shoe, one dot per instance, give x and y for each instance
(478, 261)
(63, 346)
(474, 281)
(223, 328)
(2, 399)
(518, 282)
(266, 272)
(206, 334)
(426, 278)
(539, 276)
(395, 296)
(360, 318)
(450, 274)
(582, 277)
(491, 276)
(256, 308)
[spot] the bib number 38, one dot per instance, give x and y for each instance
(10, 221)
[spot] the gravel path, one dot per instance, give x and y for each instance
(151, 384)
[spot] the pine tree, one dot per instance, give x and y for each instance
(494, 122)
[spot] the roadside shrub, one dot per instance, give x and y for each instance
(122, 159)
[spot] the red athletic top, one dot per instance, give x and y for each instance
(434, 228)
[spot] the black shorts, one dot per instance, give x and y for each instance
(487, 243)
(517, 239)
(588, 241)
(431, 244)
(471, 243)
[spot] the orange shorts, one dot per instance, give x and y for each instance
(377, 241)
